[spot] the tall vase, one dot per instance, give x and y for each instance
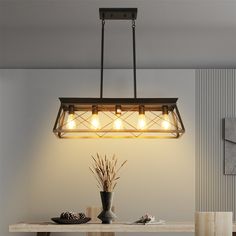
(106, 216)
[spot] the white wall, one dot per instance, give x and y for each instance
(40, 175)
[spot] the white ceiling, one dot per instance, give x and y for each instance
(66, 34)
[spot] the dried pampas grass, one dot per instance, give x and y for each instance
(105, 171)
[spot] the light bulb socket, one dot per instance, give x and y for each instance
(141, 110)
(94, 110)
(165, 110)
(71, 109)
(118, 110)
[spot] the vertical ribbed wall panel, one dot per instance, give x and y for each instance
(215, 100)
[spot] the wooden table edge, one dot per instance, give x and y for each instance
(116, 228)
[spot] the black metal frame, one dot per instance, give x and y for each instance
(118, 14)
(127, 104)
(118, 101)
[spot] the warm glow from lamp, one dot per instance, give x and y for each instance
(141, 121)
(95, 123)
(165, 123)
(141, 118)
(118, 124)
(71, 124)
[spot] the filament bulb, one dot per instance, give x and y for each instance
(95, 123)
(141, 121)
(71, 124)
(118, 124)
(141, 118)
(165, 123)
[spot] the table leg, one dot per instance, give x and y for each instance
(43, 234)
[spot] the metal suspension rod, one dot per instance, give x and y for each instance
(134, 58)
(102, 57)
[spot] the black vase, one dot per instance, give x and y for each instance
(106, 216)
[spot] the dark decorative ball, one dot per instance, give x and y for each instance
(81, 215)
(69, 215)
(72, 215)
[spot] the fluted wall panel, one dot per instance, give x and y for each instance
(215, 100)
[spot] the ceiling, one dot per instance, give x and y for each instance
(66, 34)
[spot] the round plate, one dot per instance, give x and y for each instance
(58, 220)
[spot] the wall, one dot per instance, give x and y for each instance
(162, 46)
(41, 175)
(215, 100)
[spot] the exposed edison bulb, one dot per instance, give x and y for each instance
(118, 124)
(71, 124)
(95, 123)
(141, 121)
(165, 123)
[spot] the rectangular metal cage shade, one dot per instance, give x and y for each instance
(128, 119)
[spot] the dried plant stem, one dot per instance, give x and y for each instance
(105, 171)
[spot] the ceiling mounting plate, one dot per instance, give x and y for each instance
(118, 13)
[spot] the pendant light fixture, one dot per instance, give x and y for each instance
(118, 117)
